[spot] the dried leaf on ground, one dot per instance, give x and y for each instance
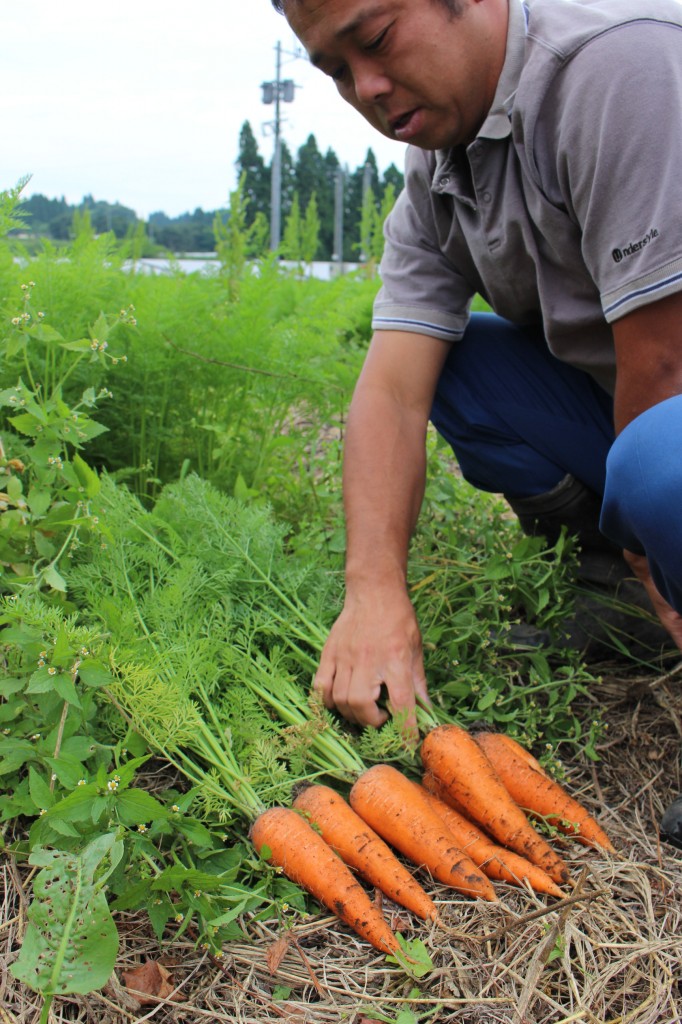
(150, 982)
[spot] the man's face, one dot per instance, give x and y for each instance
(415, 71)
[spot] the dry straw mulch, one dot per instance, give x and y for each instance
(610, 954)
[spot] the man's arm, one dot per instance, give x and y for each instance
(648, 345)
(376, 639)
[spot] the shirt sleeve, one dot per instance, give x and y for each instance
(422, 291)
(613, 154)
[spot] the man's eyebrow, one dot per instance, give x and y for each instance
(317, 58)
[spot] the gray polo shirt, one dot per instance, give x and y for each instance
(566, 210)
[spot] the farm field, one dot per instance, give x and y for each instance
(172, 559)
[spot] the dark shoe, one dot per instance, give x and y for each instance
(671, 824)
(612, 611)
(570, 505)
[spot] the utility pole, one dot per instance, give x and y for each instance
(367, 174)
(339, 183)
(278, 91)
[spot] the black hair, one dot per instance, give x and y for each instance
(454, 6)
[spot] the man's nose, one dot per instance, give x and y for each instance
(370, 82)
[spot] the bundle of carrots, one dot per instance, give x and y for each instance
(465, 824)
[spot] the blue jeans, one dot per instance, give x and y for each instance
(519, 420)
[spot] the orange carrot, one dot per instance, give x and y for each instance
(294, 845)
(392, 805)
(362, 849)
(453, 756)
(497, 863)
(533, 789)
(433, 785)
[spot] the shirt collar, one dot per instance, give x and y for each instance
(497, 123)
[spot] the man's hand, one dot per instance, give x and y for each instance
(671, 619)
(375, 642)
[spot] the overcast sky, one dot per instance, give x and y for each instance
(141, 101)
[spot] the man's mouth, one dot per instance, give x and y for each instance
(405, 125)
(399, 122)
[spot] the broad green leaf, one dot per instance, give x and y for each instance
(100, 329)
(416, 960)
(14, 754)
(94, 673)
(177, 876)
(82, 345)
(41, 794)
(194, 831)
(242, 491)
(135, 807)
(126, 771)
(487, 700)
(160, 912)
(64, 828)
(64, 686)
(10, 685)
(71, 943)
(134, 896)
(75, 806)
(45, 546)
(78, 747)
(40, 681)
(46, 333)
(14, 488)
(62, 650)
(87, 429)
(26, 424)
(68, 769)
(54, 579)
(39, 499)
(87, 477)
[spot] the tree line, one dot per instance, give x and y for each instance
(310, 209)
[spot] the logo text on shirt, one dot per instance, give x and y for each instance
(629, 250)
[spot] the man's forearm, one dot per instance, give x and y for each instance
(384, 473)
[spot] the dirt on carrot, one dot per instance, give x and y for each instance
(305, 858)
(362, 849)
(496, 862)
(452, 755)
(394, 807)
(533, 789)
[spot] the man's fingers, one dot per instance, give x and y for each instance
(323, 683)
(358, 702)
(421, 688)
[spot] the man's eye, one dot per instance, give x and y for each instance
(376, 42)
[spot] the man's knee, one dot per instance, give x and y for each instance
(643, 495)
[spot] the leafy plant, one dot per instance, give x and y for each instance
(71, 942)
(50, 740)
(49, 488)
